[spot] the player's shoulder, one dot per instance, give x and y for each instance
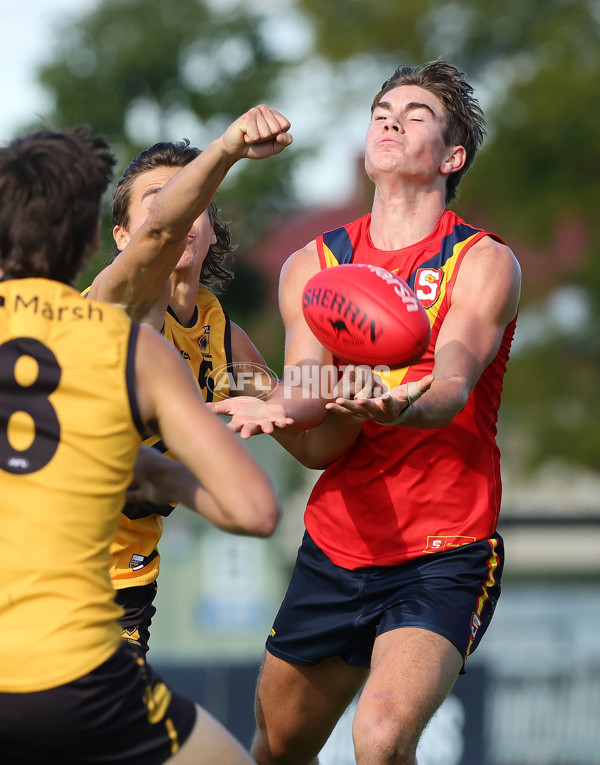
(490, 270)
(491, 253)
(302, 263)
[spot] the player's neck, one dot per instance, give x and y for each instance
(401, 220)
(183, 299)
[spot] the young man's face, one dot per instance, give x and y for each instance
(406, 135)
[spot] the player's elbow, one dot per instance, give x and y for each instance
(257, 515)
(265, 525)
(264, 518)
(316, 461)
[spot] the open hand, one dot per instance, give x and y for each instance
(385, 408)
(251, 416)
(358, 382)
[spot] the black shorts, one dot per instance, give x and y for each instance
(332, 611)
(137, 602)
(122, 712)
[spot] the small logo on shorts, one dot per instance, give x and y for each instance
(132, 634)
(137, 562)
(475, 625)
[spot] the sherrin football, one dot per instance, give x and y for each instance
(366, 315)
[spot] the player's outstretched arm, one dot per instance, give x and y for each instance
(318, 447)
(484, 301)
(233, 491)
(298, 401)
(161, 481)
(137, 276)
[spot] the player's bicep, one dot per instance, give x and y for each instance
(170, 403)
(169, 400)
(252, 375)
(484, 301)
(301, 346)
(158, 372)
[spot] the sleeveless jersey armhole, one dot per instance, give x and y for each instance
(480, 234)
(130, 378)
(227, 343)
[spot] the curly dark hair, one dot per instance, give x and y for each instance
(465, 122)
(51, 188)
(214, 273)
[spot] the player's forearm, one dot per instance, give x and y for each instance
(438, 406)
(301, 404)
(165, 481)
(189, 192)
(180, 485)
(318, 447)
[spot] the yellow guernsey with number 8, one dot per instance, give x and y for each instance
(69, 434)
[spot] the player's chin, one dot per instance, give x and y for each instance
(190, 257)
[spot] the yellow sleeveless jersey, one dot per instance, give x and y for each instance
(206, 348)
(69, 435)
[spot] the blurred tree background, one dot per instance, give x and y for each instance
(146, 70)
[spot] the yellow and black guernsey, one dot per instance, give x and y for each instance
(205, 346)
(69, 435)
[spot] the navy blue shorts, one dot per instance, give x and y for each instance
(137, 603)
(332, 611)
(120, 712)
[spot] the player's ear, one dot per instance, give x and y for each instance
(213, 236)
(454, 160)
(121, 237)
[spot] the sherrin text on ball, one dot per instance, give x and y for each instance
(366, 315)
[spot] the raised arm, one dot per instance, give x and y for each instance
(233, 491)
(137, 277)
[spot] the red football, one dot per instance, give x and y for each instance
(366, 315)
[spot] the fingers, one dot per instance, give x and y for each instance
(363, 409)
(363, 382)
(359, 382)
(254, 427)
(264, 132)
(260, 132)
(425, 383)
(249, 429)
(413, 392)
(345, 386)
(264, 124)
(373, 387)
(219, 407)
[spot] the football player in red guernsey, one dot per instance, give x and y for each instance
(399, 570)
